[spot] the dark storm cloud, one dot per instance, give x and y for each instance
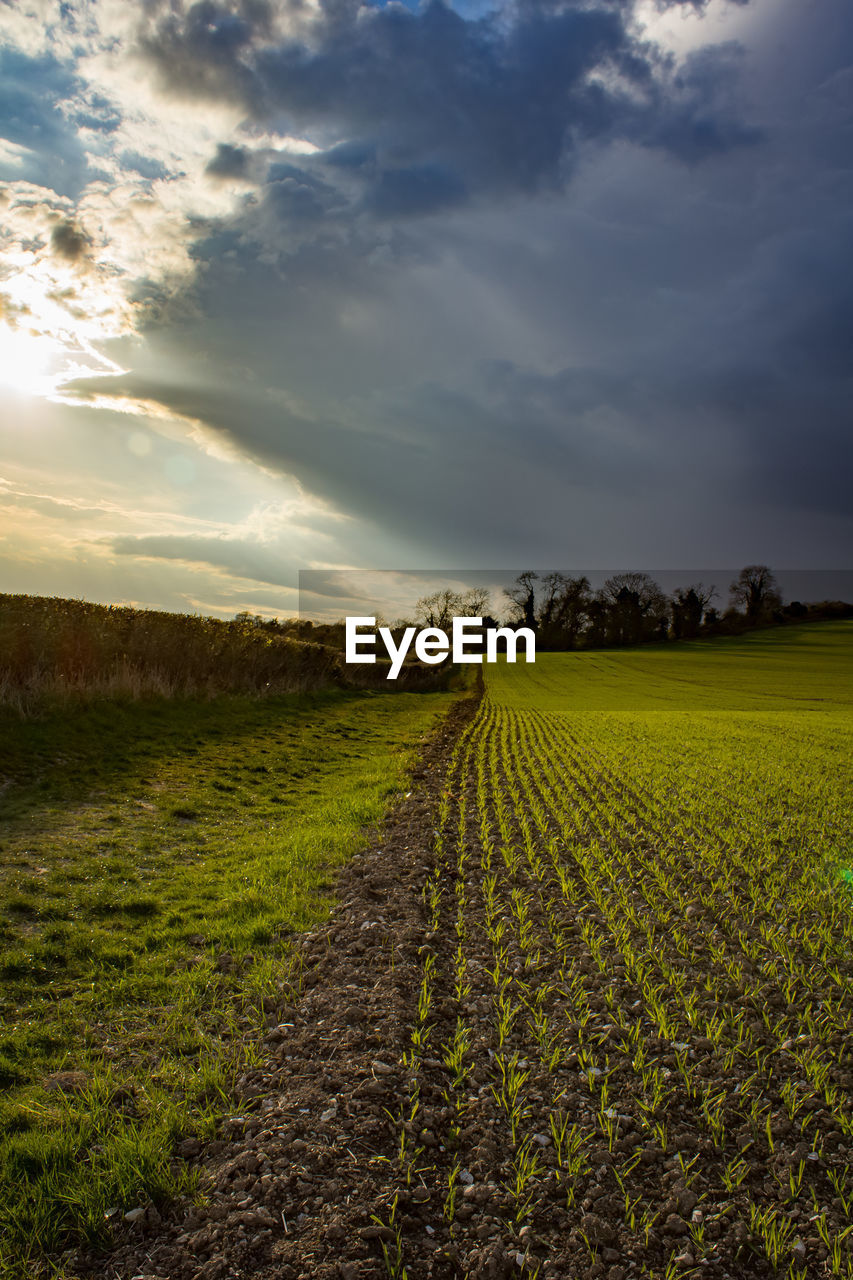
(790, 433)
(296, 194)
(702, 118)
(414, 190)
(483, 468)
(429, 108)
(514, 460)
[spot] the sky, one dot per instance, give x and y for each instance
(324, 285)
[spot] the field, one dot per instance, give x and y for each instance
(641, 907)
(155, 858)
(584, 1009)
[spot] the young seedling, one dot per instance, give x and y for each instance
(525, 1167)
(454, 1053)
(392, 1252)
(568, 1148)
(508, 1094)
(774, 1231)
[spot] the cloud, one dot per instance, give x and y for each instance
(494, 284)
(614, 371)
(68, 241)
(414, 190)
(411, 114)
(199, 48)
(703, 116)
(229, 162)
(239, 559)
(429, 106)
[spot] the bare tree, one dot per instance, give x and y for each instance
(573, 609)
(755, 591)
(476, 602)
(552, 585)
(563, 610)
(440, 608)
(523, 596)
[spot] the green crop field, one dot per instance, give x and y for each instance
(154, 858)
(642, 905)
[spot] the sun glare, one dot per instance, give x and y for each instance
(40, 363)
(28, 362)
(53, 319)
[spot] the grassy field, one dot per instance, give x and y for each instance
(154, 858)
(641, 913)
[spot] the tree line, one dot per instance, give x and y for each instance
(631, 608)
(566, 613)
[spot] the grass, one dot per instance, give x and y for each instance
(155, 857)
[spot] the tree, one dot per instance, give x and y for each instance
(439, 609)
(564, 611)
(756, 592)
(523, 596)
(689, 605)
(476, 602)
(635, 609)
(552, 584)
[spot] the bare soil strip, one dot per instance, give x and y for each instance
(472, 1082)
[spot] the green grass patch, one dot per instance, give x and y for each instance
(155, 857)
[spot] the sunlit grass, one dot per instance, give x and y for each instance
(155, 858)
